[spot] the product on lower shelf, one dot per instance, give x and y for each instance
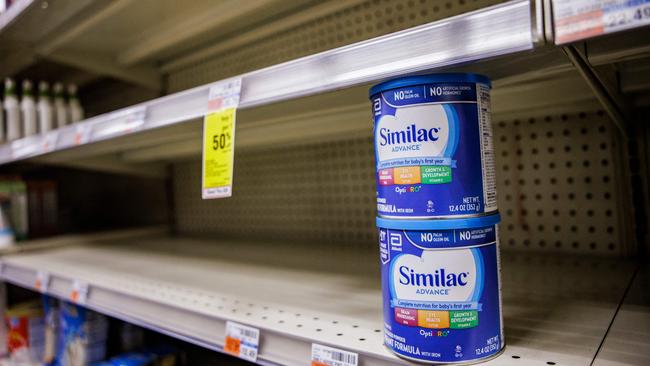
(441, 289)
(51, 329)
(131, 337)
(25, 332)
(156, 356)
(83, 335)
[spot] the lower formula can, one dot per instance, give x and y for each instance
(441, 289)
(433, 147)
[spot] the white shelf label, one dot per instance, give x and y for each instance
(50, 140)
(242, 341)
(25, 147)
(119, 123)
(42, 281)
(79, 293)
(580, 19)
(330, 356)
(82, 134)
(224, 94)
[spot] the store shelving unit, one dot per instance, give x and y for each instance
(560, 308)
(509, 27)
(187, 288)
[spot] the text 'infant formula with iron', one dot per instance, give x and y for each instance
(441, 289)
(433, 147)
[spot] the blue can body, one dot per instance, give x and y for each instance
(441, 289)
(433, 147)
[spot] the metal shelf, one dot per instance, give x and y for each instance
(628, 339)
(499, 30)
(14, 11)
(556, 309)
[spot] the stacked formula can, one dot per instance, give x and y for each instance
(437, 206)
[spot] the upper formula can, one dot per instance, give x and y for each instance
(433, 147)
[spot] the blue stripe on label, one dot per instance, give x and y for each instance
(480, 280)
(450, 150)
(446, 224)
(436, 305)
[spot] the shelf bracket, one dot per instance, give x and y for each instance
(606, 93)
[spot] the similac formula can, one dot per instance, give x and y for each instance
(433, 147)
(441, 289)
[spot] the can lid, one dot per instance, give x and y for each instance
(427, 79)
(439, 224)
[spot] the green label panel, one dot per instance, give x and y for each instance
(463, 319)
(436, 174)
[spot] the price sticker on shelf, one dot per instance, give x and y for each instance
(42, 281)
(124, 121)
(242, 341)
(219, 139)
(25, 147)
(79, 293)
(49, 141)
(330, 356)
(82, 133)
(580, 19)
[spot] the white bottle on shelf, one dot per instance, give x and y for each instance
(28, 108)
(76, 111)
(7, 237)
(45, 111)
(60, 109)
(12, 111)
(2, 123)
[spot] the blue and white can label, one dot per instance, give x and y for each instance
(441, 294)
(433, 148)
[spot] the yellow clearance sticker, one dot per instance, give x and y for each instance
(218, 153)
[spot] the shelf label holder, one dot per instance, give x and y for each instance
(79, 293)
(330, 356)
(219, 139)
(242, 341)
(122, 122)
(580, 19)
(42, 281)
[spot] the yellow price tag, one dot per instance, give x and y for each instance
(218, 153)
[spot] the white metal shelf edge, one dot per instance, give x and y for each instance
(493, 31)
(194, 323)
(13, 12)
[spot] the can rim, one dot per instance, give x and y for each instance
(439, 224)
(426, 79)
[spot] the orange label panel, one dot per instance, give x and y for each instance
(232, 346)
(407, 175)
(433, 319)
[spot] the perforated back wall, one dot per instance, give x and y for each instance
(358, 22)
(557, 183)
(320, 192)
(558, 178)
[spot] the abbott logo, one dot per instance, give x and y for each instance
(376, 106)
(395, 240)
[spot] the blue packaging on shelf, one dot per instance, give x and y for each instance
(82, 335)
(433, 147)
(441, 289)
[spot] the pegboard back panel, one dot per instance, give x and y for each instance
(561, 183)
(321, 192)
(561, 188)
(359, 21)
